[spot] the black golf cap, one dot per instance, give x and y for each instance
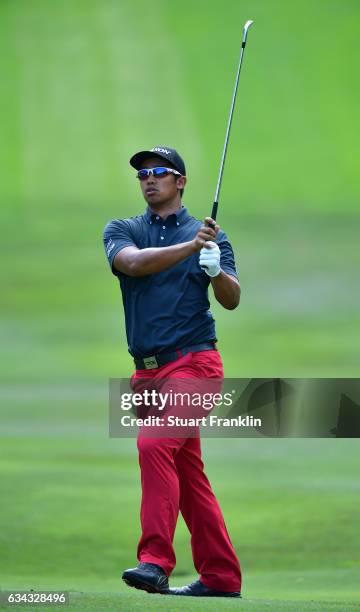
(166, 153)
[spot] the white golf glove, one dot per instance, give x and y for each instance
(209, 259)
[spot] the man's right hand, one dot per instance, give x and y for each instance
(206, 233)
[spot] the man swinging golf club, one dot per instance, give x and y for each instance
(165, 261)
(157, 258)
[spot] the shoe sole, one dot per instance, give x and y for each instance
(204, 595)
(143, 586)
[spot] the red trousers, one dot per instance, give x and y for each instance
(173, 479)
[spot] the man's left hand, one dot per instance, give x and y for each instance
(209, 259)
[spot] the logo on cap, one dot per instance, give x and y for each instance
(159, 150)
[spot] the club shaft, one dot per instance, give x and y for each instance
(222, 163)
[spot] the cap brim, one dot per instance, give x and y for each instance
(137, 160)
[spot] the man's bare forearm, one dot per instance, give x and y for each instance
(142, 262)
(227, 290)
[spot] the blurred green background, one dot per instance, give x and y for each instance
(85, 84)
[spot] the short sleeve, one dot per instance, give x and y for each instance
(117, 235)
(227, 260)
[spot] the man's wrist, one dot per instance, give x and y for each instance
(195, 247)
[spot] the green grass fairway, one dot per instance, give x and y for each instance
(72, 516)
(85, 84)
(138, 600)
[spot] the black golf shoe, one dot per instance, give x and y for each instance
(198, 589)
(147, 577)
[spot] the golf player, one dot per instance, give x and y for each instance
(165, 260)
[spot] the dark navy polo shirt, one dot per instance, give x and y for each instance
(170, 309)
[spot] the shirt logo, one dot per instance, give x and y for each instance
(159, 150)
(110, 247)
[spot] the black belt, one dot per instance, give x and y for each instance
(156, 361)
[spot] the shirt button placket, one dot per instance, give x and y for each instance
(162, 237)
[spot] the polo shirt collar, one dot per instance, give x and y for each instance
(180, 216)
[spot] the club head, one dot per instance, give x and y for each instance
(247, 25)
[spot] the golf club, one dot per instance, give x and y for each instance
(247, 25)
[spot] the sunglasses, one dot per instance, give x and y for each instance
(160, 172)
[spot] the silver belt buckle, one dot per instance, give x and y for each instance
(150, 362)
